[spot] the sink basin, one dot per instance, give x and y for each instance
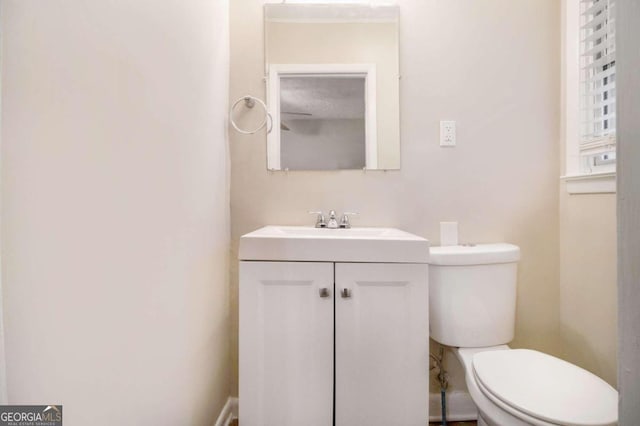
(303, 243)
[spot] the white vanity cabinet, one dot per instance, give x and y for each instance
(286, 343)
(381, 344)
(326, 343)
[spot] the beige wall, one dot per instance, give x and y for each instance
(588, 297)
(343, 43)
(486, 65)
(115, 209)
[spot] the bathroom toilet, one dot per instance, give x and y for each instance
(472, 301)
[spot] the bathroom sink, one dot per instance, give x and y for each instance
(305, 243)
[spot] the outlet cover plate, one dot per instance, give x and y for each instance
(447, 133)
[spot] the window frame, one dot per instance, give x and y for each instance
(577, 181)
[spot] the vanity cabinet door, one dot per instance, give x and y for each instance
(286, 344)
(382, 344)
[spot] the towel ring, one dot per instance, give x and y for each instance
(250, 102)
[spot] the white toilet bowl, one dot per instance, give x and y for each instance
(488, 412)
(524, 387)
(472, 301)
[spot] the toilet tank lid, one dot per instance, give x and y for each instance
(474, 254)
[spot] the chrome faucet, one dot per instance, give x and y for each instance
(344, 221)
(320, 222)
(332, 223)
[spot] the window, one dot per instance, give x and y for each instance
(597, 86)
(589, 101)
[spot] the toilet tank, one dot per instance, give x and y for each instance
(472, 294)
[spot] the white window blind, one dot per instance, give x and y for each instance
(598, 76)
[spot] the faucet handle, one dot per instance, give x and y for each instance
(344, 221)
(320, 221)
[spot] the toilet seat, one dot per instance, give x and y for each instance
(541, 389)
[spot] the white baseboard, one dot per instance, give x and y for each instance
(460, 407)
(228, 413)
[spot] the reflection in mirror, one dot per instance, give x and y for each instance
(322, 122)
(332, 87)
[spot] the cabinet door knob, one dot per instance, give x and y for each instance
(324, 292)
(345, 293)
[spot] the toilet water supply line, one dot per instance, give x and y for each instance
(442, 379)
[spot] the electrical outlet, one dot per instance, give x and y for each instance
(447, 133)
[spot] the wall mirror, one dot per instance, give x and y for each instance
(332, 86)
